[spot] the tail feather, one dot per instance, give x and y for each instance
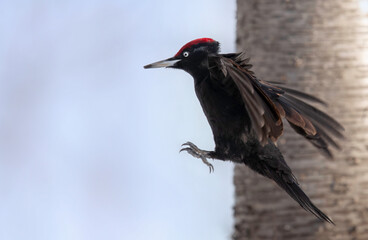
(268, 161)
(294, 191)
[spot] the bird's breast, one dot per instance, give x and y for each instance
(223, 107)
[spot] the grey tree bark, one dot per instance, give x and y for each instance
(320, 47)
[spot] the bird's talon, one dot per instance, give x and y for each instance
(184, 144)
(184, 149)
(204, 160)
(193, 150)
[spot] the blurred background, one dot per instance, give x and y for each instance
(89, 140)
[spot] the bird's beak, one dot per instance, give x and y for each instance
(170, 62)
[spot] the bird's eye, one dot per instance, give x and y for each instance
(185, 54)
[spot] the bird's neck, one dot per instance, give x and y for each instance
(200, 76)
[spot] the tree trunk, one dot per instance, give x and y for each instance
(320, 47)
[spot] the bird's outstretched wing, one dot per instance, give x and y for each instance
(265, 118)
(274, 101)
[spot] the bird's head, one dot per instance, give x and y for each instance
(191, 57)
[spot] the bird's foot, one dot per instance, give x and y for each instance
(193, 150)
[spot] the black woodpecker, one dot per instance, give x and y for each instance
(246, 115)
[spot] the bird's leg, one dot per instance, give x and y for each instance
(193, 150)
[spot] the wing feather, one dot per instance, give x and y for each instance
(318, 128)
(265, 118)
(268, 102)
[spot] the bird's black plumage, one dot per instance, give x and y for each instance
(245, 115)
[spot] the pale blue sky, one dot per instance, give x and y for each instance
(89, 140)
